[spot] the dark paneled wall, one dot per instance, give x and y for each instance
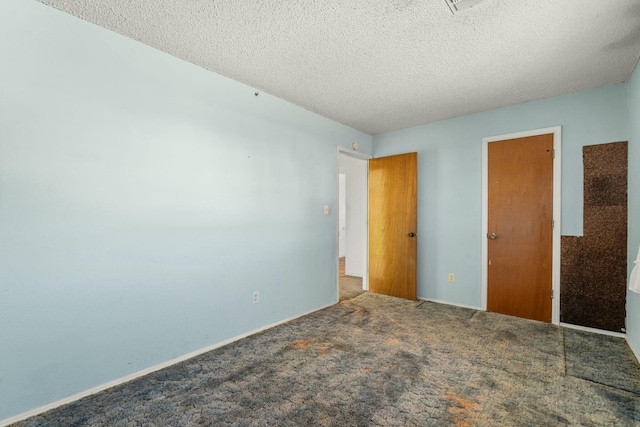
(594, 267)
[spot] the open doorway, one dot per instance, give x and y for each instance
(352, 224)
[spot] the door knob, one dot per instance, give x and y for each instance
(412, 234)
(493, 236)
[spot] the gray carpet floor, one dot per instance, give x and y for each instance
(381, 361)
(350, 287)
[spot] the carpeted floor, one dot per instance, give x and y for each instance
(350, 287)
(381, 361)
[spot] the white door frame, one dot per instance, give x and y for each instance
(342, 214)
(360, 156)
(557, 186)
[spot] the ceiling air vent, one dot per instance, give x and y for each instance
(460, 5)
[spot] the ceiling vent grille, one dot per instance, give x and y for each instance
(460, 5)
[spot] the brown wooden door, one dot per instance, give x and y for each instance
(393, 206)
(520, 227)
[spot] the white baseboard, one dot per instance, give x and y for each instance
(450, 303)
(594, 330)
(633, 349)
(147, 371)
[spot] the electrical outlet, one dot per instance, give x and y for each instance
(452, 278)
(256, 297)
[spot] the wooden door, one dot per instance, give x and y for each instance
(393, 186)
(520, 227)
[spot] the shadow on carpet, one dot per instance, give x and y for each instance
(379, 361)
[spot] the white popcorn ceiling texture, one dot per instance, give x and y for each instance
(381, 65)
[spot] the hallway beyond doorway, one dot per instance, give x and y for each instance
(350, 286)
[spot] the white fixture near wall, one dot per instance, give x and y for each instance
(460, 5)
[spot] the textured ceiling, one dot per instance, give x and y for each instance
(381, 65)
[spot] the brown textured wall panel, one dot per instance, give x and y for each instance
(593, 273)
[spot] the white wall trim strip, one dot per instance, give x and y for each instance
(147, 371)
(351, 153)
(450, 303)
(593, 330)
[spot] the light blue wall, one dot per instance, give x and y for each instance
(449, 178)
(142, 201)
(633, 299)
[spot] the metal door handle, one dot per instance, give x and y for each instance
(412, 234)
(493, 236)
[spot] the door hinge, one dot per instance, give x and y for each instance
(553, 156)
(553, 224)
(551, 293)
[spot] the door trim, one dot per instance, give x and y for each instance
(557, 187)
(360, 156)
